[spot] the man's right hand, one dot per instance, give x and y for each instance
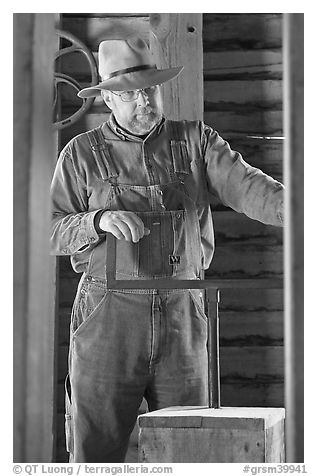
(123, 225)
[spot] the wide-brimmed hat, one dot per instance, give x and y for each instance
(125, 65)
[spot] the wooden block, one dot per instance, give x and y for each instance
(206, 435)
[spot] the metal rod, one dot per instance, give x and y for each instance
(212, 300)
(242, 283)
(168, 283)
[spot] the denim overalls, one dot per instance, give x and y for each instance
(133, 343)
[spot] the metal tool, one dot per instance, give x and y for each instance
(212, 298)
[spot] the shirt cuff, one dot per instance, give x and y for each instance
(97, 219)
(87, 235)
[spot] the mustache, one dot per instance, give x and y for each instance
(145, 110)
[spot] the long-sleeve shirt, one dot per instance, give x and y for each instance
(186, 151)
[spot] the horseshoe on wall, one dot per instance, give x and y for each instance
(76, 45)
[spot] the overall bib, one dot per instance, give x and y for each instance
(130, 344)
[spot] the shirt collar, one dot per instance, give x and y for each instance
(125, 135)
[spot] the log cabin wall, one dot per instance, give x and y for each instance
(243, 102)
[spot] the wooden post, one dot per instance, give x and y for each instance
(176, 40)
(34, 157)
(294, 235)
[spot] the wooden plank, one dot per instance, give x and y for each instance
(245, 247)
(294, 241)
(254, 362)
(249, 393)
(257, 328)
(246, 122)
(246, 261)
(232, 227)
(259, 300)
(233, 95)
(93, 30)
(169, 31)
(34, 156)
(266, 155)
(202, 417)
(242, 31)
(243, 64)
(23, 30)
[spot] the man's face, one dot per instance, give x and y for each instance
(138, 116)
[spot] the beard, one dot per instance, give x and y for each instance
(143, 121)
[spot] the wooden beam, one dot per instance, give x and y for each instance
(294, 235)
(34, 157)
(176, 40)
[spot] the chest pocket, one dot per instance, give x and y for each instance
(102, 156)
(181, 161)
(165, 252)
(180, 157)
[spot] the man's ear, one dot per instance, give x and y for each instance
(106, 96)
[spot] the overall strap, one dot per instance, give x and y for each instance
(102, 155)
(180, 157)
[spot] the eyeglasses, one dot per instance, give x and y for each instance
(127, 96)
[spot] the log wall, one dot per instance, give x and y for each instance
(243, 95)
(243, 100)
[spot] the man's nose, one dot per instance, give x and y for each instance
(143, 98)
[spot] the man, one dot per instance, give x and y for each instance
(148, 181)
